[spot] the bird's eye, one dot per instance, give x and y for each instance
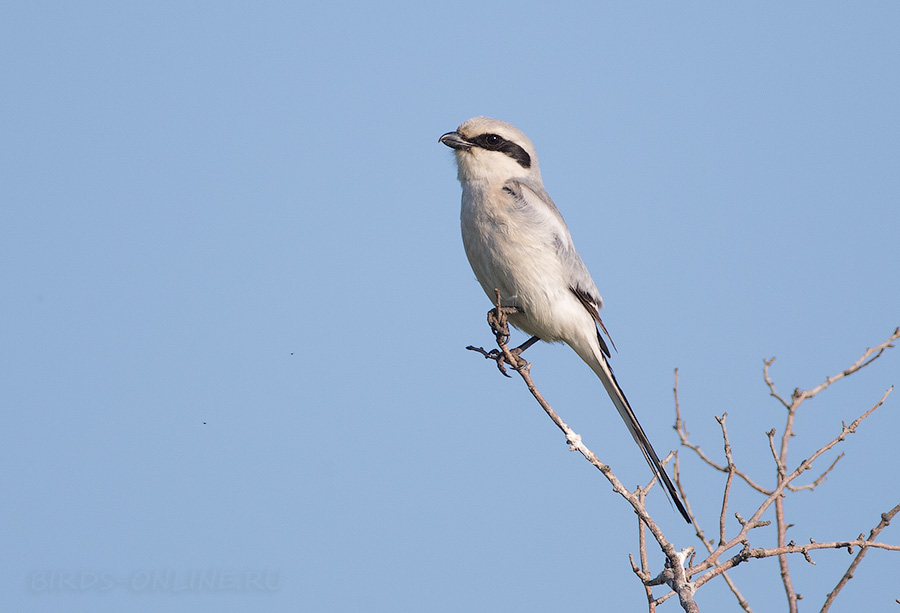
(493, 140)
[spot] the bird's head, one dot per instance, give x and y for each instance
(491, 150)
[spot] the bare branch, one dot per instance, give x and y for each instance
(771, 384)
(748, 553)
(821, 479)
(871, 354)
(754, 520)
(885, 521)
(797, 398)
(778, 463)
(782, 527)
(784, 481)
(728, 481)
(644, 573)
(762, 552)
(699, 532)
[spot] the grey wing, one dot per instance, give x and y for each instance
(580, 282)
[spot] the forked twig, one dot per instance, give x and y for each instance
(711, 566)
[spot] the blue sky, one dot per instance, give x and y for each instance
(235, 299)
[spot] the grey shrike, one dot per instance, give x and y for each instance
(517, 243)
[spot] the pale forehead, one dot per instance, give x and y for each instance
(486, 125)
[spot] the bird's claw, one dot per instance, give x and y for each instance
(498, 320)
(500, 358)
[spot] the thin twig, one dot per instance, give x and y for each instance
(783, 564)
(708, 544)
(884, 523)
(644, 573)
(871, 354)
(821, 479)
(771, 384)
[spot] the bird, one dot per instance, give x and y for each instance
(518, 244)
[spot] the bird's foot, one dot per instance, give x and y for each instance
(500, 358)
(498, 320)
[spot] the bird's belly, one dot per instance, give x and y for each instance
(529, 276)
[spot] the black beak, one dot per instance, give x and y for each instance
(455, 141)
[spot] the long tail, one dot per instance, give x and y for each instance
(597, 361)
